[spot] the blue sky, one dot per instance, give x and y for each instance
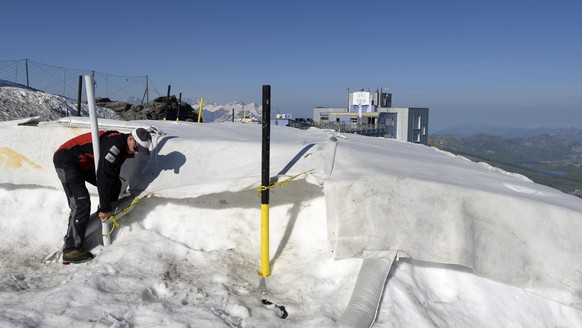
(507, 63)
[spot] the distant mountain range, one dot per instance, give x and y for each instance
(571, 133)
(214, 112)
(550, 156)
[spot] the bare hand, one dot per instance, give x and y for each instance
(104, 216)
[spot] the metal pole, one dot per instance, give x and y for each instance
(26, 61)
(265, 181)
(95, 138)
(167, 102)
(145, 94)
(179, 103)
(79, 95)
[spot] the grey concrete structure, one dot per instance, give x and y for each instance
(370, 113)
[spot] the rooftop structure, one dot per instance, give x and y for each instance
(371, 113)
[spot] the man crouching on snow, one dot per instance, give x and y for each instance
(75, 165)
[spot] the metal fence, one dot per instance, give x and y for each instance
(65, 81)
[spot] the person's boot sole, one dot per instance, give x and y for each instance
(77, 262)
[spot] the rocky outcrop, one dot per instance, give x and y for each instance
(158, 109)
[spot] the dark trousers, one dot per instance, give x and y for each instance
(73, 180)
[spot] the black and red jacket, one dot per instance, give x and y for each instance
(77, 154)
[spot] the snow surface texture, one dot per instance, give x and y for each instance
(487, 248)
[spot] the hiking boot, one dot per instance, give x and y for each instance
(76, 255)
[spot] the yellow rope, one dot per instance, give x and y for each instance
(113, 226)
(278, 184)
(113, 219)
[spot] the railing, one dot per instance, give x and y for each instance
(359, 128)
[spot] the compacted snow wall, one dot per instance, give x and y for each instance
(448, 210)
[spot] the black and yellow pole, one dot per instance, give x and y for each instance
(265, 185)
(265, 266)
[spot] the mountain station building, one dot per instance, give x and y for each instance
(371, 113)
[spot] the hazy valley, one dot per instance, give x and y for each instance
(550, 156)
